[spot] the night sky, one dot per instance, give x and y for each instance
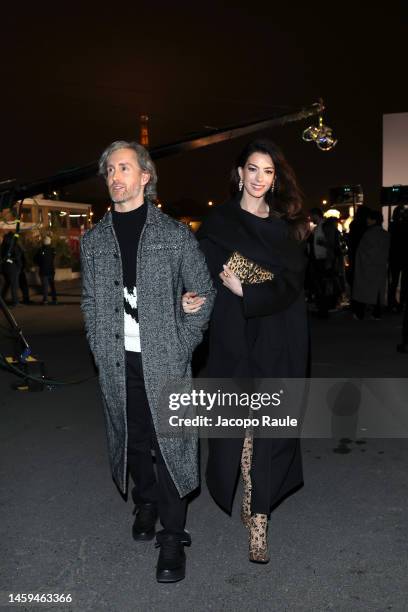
(75, 79)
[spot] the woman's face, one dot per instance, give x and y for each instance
(258, 174)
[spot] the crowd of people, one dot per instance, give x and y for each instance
(364, 267)
(14, 268)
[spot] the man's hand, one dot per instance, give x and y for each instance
(231, 281)
(191, 302)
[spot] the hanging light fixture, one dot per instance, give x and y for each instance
(321, 134)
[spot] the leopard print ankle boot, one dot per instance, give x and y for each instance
(246, 460)
(258, 543)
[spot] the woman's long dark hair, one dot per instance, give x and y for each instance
(286, 201)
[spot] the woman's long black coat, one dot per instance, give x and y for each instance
(264, 334)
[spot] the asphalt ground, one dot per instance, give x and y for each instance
(339, 543)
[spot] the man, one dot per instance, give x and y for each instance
(45, 258)
(136, 264)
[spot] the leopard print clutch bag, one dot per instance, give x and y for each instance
(248, 272)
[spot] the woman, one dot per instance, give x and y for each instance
(370, 274)
(257, 330)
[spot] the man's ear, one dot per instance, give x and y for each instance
(145, 178)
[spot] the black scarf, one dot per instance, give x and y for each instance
(265, 241)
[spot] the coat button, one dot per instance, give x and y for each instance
(117, 364)
(116, 283)
(117, 336)
(116, 309)
(115, 255)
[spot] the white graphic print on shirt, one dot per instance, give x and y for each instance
(132, 336)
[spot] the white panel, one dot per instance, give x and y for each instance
(395, 149)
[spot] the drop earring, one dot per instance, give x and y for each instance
(273, 186)
(240, 184)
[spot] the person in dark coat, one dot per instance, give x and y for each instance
(357, 228)
(326, 265)
(398, 259)
(11, 258)
(22, 280)
(257, 330)
(45, 258)
(370, 274)
(403, 346)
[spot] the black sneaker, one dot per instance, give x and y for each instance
(144, 526)
(171, 566)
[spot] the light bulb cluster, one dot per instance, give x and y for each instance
(321, 134)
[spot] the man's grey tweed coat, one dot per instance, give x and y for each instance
(169, 262)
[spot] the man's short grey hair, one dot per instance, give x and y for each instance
(144, 160)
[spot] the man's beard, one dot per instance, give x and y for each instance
(120, 198)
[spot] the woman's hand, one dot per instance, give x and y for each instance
(231, 281)
(191, 302)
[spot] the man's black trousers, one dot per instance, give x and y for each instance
(142, 439)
